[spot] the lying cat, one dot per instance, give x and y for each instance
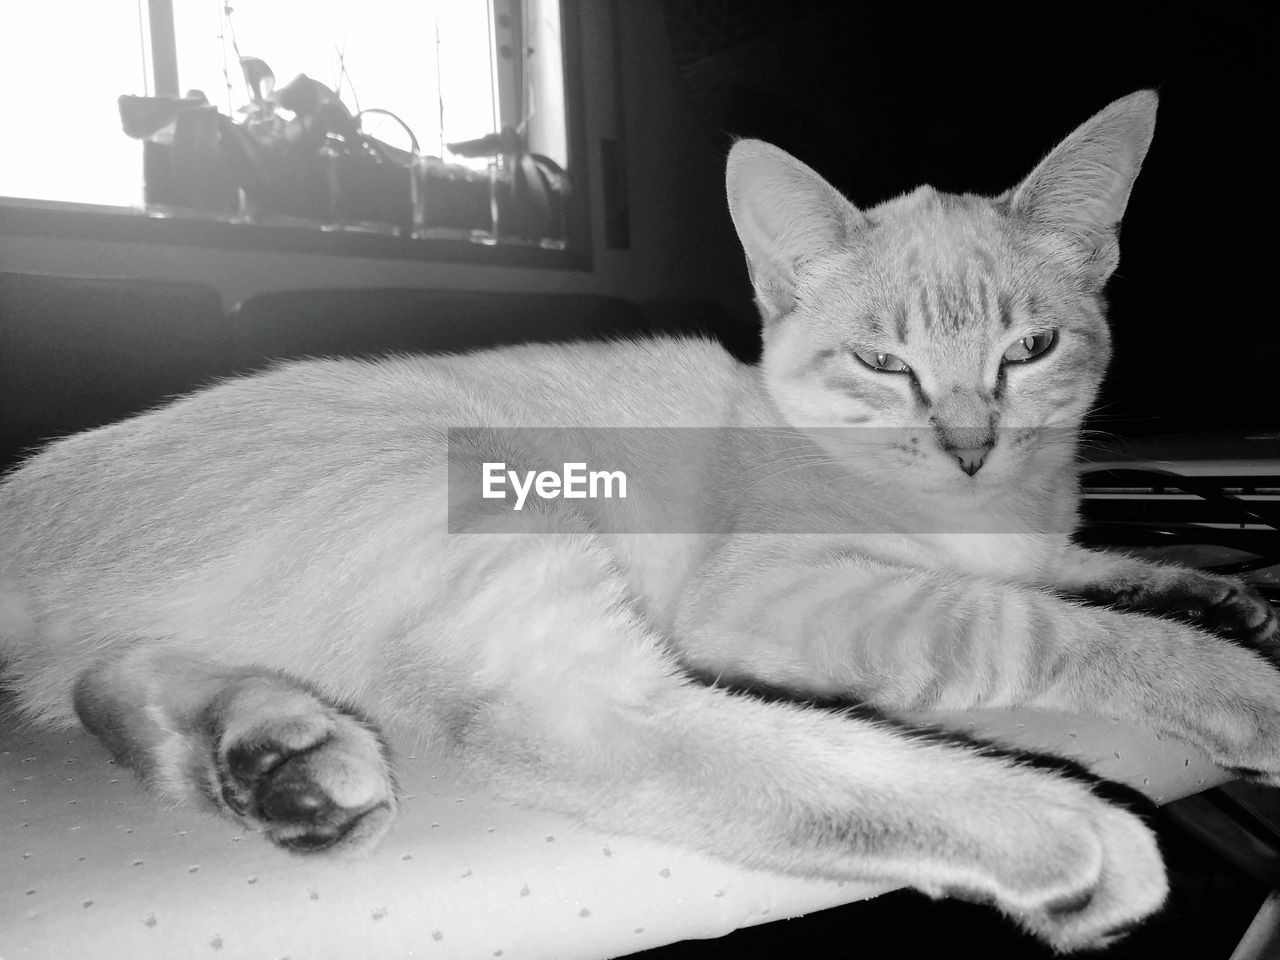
(238, 592)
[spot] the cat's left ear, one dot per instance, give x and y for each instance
(1075, 198)
(786, 216)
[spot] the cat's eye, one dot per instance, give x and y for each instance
(881, 362)
(1031, 347)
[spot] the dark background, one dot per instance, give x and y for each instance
(882, 97)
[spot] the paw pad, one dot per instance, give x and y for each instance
(311, 777)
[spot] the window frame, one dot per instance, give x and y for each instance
(24, 217)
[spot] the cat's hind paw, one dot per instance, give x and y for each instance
(308, 775)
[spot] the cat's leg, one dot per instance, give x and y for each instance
(809, 793)
(584, 711)
(258, 746)
(1223, 605)
(911, 639)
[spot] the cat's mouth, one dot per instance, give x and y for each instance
(973, 465)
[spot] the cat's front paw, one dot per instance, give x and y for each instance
(1221, 605)
(308, 775)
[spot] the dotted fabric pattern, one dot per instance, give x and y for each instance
(91, 866)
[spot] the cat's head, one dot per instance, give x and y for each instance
(956, 341)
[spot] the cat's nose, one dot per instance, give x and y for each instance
(971, 459)
(970, 445)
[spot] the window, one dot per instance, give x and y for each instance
(429, 124)
(65, 142)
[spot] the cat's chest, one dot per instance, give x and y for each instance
(1001, 556)
(998, 556)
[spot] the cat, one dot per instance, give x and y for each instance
(245, 592)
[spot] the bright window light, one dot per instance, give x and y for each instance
(65, 63)
(374, 53)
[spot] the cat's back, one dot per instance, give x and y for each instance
(320, 435)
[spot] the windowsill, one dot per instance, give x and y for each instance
(42, 218)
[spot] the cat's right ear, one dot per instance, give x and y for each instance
(1078, 193)
(786, 215)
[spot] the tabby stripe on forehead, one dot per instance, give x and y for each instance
(953, 310)
(926, 314)
(1005, 305)
(957, 298)
(900, 321)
